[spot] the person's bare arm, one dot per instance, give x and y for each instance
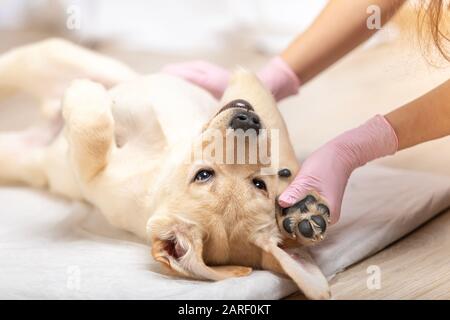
(424, 119)
(339, 28)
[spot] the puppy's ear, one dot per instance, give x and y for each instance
(298, 265)
(178, 245)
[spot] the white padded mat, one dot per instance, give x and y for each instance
(54, 249)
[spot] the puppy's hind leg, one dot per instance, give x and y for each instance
(89, 127)
(44, 69)
(22, 157)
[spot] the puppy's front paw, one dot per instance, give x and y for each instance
(306, 221)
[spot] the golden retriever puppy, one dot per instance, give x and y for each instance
(161, 158)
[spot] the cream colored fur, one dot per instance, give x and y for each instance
(125, 151)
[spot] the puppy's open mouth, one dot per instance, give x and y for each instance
(239, 103)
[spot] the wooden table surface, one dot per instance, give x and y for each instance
(415, 267)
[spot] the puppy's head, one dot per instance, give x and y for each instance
(216, 214)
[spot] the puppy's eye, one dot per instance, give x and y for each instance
(259, 184)
(203, 175)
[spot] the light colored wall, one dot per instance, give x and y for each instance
(170, 25)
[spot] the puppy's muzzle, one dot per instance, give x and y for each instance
(244, 117)
(245, 120)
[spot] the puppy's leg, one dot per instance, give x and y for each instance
(45, 69)
(32, 69)
(22, 156)
(89, 127)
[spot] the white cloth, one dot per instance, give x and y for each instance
(54, 249)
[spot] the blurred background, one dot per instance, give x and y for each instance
(166, 26)
(384, 73)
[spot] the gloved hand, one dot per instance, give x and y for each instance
(277, 76)
(328, 169)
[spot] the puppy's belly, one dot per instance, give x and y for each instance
(180, 107)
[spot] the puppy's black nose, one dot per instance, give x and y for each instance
(245, 120)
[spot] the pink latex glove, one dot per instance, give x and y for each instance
(328, 169)
(277, 76)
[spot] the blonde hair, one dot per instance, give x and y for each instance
(433, 19)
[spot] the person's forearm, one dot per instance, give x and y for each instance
(424, 119)
(340, 27)
(327, 170)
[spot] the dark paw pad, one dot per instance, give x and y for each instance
(320, 222)
(284, 173)
(306, 221)
(305, 228)
(323, 209)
